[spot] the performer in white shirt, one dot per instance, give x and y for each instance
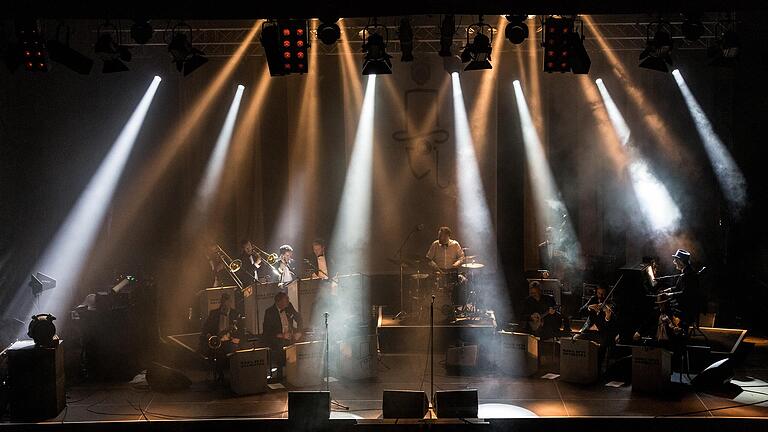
(285, 265)
(445, 253)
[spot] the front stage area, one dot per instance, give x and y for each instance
(499, 397)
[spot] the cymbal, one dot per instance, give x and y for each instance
(419, 276)
(473, 265)
(470, 257)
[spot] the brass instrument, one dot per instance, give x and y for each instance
(270, 258)
(233, 266)
(214, 342)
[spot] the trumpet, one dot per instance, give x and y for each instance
(233, 265)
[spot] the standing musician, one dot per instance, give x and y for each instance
(320, 263)
(600, 325)
(251, 263)
(548, 251)
(285, 266)
(279, 329)
(687, 291)
(218, 273)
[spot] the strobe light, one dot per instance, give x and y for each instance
(376, 61)
(42, 330)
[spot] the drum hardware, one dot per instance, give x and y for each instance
(474, 265)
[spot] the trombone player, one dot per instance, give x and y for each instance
(251, 263)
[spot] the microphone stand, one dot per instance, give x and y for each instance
(399, 254)
(327, 368)
(432, 356)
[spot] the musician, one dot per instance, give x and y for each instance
(279, 329)
(284, 266)
(222, 323)
(445, 253)
(600, 325)
(539, 313)
(548, 250)
(320, 262)
(218, 273)
(251, 263)
(687, 292)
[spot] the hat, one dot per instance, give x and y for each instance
(683, 255)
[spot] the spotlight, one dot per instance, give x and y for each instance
(447, 30)
(31, 48)
(328, 31)
(110, 51)
(478, 52)
(692, 27)
(62, 53)
(186, 57)
(656, 55)
(405, 33)
(376, 60)
(517, 30)
(577, 54)
(42, 330)
(141, 31)
(285, 45)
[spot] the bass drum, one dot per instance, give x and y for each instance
(444, 310)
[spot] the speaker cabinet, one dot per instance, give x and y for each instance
(36, 380)
(456, 404)
(410, 404)
(309, 410)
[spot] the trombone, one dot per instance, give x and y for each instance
(270, 258)
(233, 266)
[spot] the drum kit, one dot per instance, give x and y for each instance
(455, 290)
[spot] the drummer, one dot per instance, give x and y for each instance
(445, 253)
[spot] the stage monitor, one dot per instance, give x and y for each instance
(407, 404)
(456, 403)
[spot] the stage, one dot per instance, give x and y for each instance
(499, 396)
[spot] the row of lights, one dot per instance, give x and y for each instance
(34, 52)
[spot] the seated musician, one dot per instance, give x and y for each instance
(540, 316)
(279, 329)
(601, 324)
(445, 255)
(221, 325)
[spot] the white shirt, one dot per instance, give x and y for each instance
(285, 273)
(445, 255)
(322, 267)
(255, 268)
(284, 321)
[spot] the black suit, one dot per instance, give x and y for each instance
(247, 270)
(314, 267)
(690, 300)
(211, 326)
(272, 327)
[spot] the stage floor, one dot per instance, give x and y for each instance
(500, 396)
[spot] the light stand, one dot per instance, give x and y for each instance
(327, 368)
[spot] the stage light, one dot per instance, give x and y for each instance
(62, 53)
(447, 30)
(692, 27)
(141, 31)
(557, 43)
(657, 54)
(478, 52)
(376, 61)
(729, 175)
(405, 33)
(516, 30)
(652, 195)
(285, 45)
(67, 254)
(186, 57)
(328, 31)
(725, 50)
(32, 49)
(110, 51)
